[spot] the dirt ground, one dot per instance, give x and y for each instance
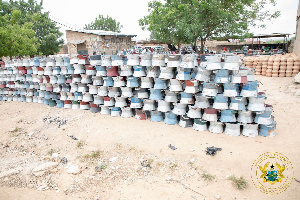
(121, 158)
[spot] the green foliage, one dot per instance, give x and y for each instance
(186, 21)
(104, 23)
(45, 31)
(15, 39)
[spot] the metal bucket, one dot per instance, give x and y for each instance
(106, 60)
(250, 89)
(108, 101)
(115, 112)
(183, 74)
(231, 62)
(90, 70)
(126, 112)
(257, 103)
(133, 59)
(215, 127)
(79, 69)
(160, 84)
(95, 60)
(108, 82)
(146, 82)
(126, 92)
(140, 114)
(166, 73)
(94, 108)
(170, 118)
(119, 81)
(112, 71)
(158, 60)
(155, 94)
(201, 102)
(153, 71)
(98, 100)
(209, 89)
(82, 87)
(185, 121)
(136, 103)
(175, 85)
(120, 102)
(87, 97)
(232, 129)
(97, 80)
(149, 105)
(200, 125)
(179, 108)
(245, 117)
(126, 70)
(188, 61)
(113, 92)
(156, 116)
(163, 106)
(194, 112)
(117, 60)
(220, 102)
(186, 98)
(191, 86)
(139, 71)
(174, 60)
(93, 89)
(213, 62)
(210, 115)
(101, 71)
(238, 103)
(146, 60)
(142, 93)
(105, 110)
(228, 116)
(132, 82)
(267, 130)
(250, 130)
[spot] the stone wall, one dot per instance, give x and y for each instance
(101, 44)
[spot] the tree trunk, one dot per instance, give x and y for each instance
(195, 45)
(202, 45)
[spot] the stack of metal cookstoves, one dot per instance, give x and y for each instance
(206, 93)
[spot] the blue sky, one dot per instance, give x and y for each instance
(77, 13)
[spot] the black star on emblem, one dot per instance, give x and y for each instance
(272, 166)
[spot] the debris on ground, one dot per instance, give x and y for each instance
(212, 150)
(172, 147)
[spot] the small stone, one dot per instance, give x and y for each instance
(297, 78)
(73, 169)
(113, 159)
(217, 196)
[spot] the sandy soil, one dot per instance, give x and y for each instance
(122, 158)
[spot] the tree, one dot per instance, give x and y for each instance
(187, 21)
(46, 31)
(104, 23)
(15, 39)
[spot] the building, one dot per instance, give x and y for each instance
(97, 41)
(297, 39)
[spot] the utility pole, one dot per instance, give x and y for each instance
(297, 38)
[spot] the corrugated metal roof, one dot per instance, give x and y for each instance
(101, 32)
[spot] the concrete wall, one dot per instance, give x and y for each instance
(297, 40)
(101, 44)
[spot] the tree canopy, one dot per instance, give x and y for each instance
(15, 39)
(104, 23)
(46, 31)
(186, 21)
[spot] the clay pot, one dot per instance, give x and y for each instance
(281, 75)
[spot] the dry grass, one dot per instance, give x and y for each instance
(239, 183)
(94, 155)
(207, 177)
(79, 144)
